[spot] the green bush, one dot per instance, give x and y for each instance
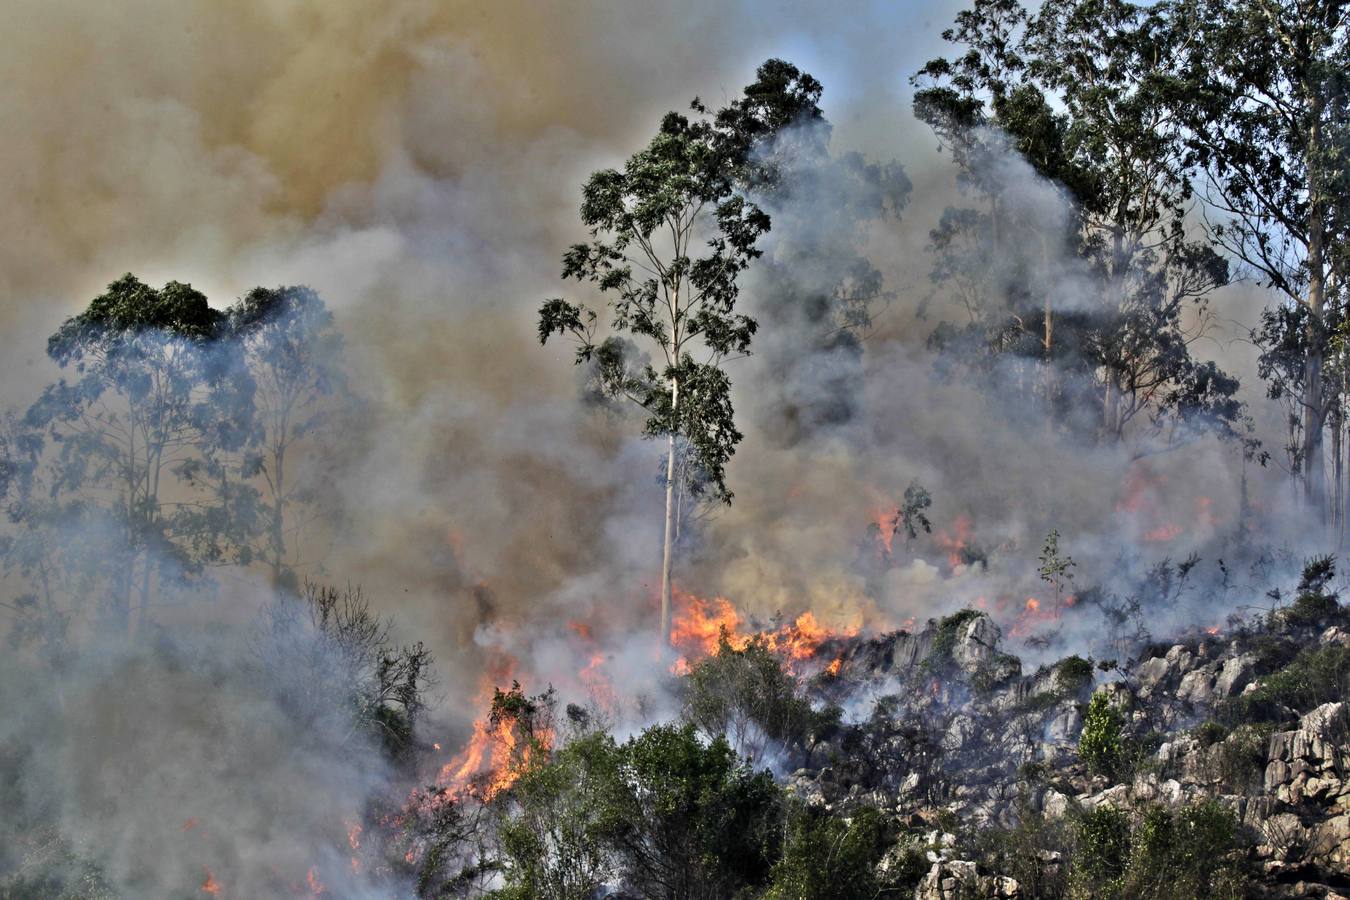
(1073, 674)
(1210, 733)
(1100, 746)
(555, 839)
(748, 697)
(945, 639)
(673, 816)
(1101, 853)
(1315, 676)
(1186, 853)
(827, 857)
(1240, 759)
(1163, 854)
(1020, 852)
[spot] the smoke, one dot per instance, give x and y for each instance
(419, 165)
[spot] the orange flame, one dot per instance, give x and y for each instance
(1163, 533)
(955, 543)
(316, 887)
(833, 668)
(210, 885)
(495, 756)
(885, 522)
(1035, 612)
(698, 625)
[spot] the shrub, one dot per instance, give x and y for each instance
(1315, 676)
(689, 819)
(945, 639)
(747, 696)
(1239, 761)
(1210, 733)
(826, 857)
(1021, 852)
(1314, 605)
(668, 814)
(1073, 674)
(554, 839)
(1185, 853)
(1101, 853)
(1100, 745)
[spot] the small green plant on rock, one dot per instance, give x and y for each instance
(1100, 745)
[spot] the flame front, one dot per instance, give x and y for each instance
(698, 626)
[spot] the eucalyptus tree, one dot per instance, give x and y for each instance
(670, 233)
(138, 434)
(1082, 91)
(1269, 111)
(293, 354)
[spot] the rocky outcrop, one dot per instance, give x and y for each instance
(951, 727)
(961, 880)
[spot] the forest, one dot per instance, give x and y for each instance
(746, 499)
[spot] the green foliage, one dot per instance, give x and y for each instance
(1109, 853)
(1314, 604)
(944, 641)
(648, 222)
(1315, 676)
(1180, 854)
(666, 813)
(694, 822)
(153, 399)
(293, 353)
(1020, 852)
(1210, 732)
(162, 447)
(1073, 674)
(1080, 90)
(1055, 570)
(746, 696)
(1100, 745)
(1239, 760)
(1265, 84)
(555, 840)
(826, 857)
(1101, 853)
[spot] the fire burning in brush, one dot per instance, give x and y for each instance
(698, 625)
(1036, 613)
(955, 542)
(316, 887)
(210, 885)
(503, 746)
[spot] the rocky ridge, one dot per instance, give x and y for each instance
(952, 734)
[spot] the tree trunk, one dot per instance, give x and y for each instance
(1048, 338)
(277, 529)
(1314, 403)
(670, 515)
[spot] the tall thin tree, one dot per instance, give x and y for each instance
(670, 234)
